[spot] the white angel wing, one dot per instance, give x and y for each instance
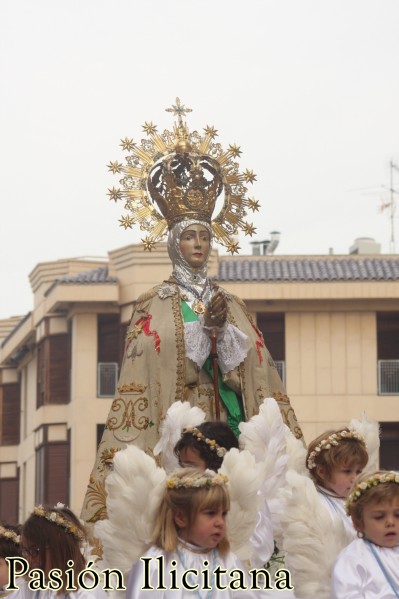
(296, 452)
(245, 480)
(179, 416)
(312, 537)
(370, 431)
(134, 492)
(264, 436)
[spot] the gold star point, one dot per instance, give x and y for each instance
(233, 247)
(254, 205)
(249, 176)
(127, 144)
(148, 243)
(126, 222)
(115, 167)
(211, 131)
(149, 128)
(235, 150)
(114, 194)
(249, 229)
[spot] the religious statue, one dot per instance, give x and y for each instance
(171, 184)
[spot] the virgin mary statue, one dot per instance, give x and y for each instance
(171, 185)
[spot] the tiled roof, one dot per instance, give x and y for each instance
(89, 277)
(97, 275)
(310, 269)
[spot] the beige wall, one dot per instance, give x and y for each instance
(330, 345)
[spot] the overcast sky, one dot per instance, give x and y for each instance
(308, 88)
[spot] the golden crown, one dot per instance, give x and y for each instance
(178, 175)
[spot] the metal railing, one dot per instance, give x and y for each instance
(107, 379)
(388, 377)
(280, 365)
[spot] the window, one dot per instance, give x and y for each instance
(52, 466)
(10, 408)
(272, 325)
(389, 446)
(9, 491)
(388, 353)
(53, 370)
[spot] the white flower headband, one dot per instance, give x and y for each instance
(332, 441)
(59, 520)
(9, 535)
(213, 446)
(373, 481)
(205, 479)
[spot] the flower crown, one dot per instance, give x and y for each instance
(10, 535)
(332, 441)
(377, 479)
(213, 446)
(205, 479)
(59, 520)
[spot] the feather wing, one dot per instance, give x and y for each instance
(134, 492)
(264, 436)
(245, 480)
(370, 431)
(179, 416)
(312, 539)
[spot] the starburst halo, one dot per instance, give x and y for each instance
(158, 147)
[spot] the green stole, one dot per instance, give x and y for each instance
(232, 403)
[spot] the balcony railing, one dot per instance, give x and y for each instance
(388, 377)
(107, 379)
(280, 365)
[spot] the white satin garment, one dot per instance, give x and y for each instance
(195, 561)
(336, 505)
(357, 574)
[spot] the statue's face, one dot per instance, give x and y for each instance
(195, 245)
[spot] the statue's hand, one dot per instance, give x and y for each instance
(216, 311)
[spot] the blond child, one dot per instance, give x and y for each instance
(190, 544)
(369, 566)
(334, 459)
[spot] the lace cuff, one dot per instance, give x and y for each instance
(231, 345)
(232, 348)
(198, 343)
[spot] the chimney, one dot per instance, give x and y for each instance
(365, 245)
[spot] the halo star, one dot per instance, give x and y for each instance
(211, 131)
(233, 247)
(249, 229)
(149, 128)
(235, 150)
(126, 222)
(148, 243)
(115, 167)
(249, 176)
(114, 194)
(127, 144)
(254, 205)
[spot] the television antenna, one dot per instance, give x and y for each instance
(391, 206)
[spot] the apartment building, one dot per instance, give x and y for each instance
(331, 323)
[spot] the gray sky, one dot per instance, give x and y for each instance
(308, 88)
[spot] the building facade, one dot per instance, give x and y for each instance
(330, 322)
